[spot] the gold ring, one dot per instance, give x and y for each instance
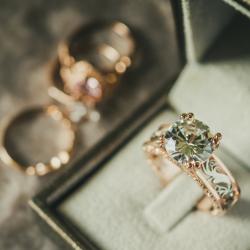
(83, 82)
(39, 168)
(89, 81)
(188, 145)
(77, 109)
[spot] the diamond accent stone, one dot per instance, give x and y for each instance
(189, 140)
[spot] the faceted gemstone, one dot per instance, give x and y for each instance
(189, 140)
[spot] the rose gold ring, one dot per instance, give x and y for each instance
(88, 81)
(38, 168)
(78, 108)
(188, 145)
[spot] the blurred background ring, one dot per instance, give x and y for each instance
(39, 168)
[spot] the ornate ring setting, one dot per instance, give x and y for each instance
(188, 145)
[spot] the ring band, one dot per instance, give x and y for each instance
(38, 168)
(188, 145)
(115, 55)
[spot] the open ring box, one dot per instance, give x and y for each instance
(111, 198)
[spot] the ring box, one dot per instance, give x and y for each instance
(110, 199)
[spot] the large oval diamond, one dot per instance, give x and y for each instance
(189, 140)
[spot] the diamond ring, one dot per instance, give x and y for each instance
(188, 145)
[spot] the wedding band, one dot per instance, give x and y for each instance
(188, 145)
(39, 168)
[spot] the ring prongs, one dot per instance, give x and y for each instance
(216, 139)
(187, 116)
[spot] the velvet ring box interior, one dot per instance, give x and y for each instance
(112, 200)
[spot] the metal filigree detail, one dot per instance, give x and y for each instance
(220, 180)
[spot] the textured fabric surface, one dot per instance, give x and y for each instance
(110, 207)
(159, 213)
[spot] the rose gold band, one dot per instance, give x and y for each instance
(90, 82)
(219, 186)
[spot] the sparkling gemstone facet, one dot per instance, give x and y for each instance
(189, 141)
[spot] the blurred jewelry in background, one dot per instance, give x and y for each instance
(38, 168)
(89, 65)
